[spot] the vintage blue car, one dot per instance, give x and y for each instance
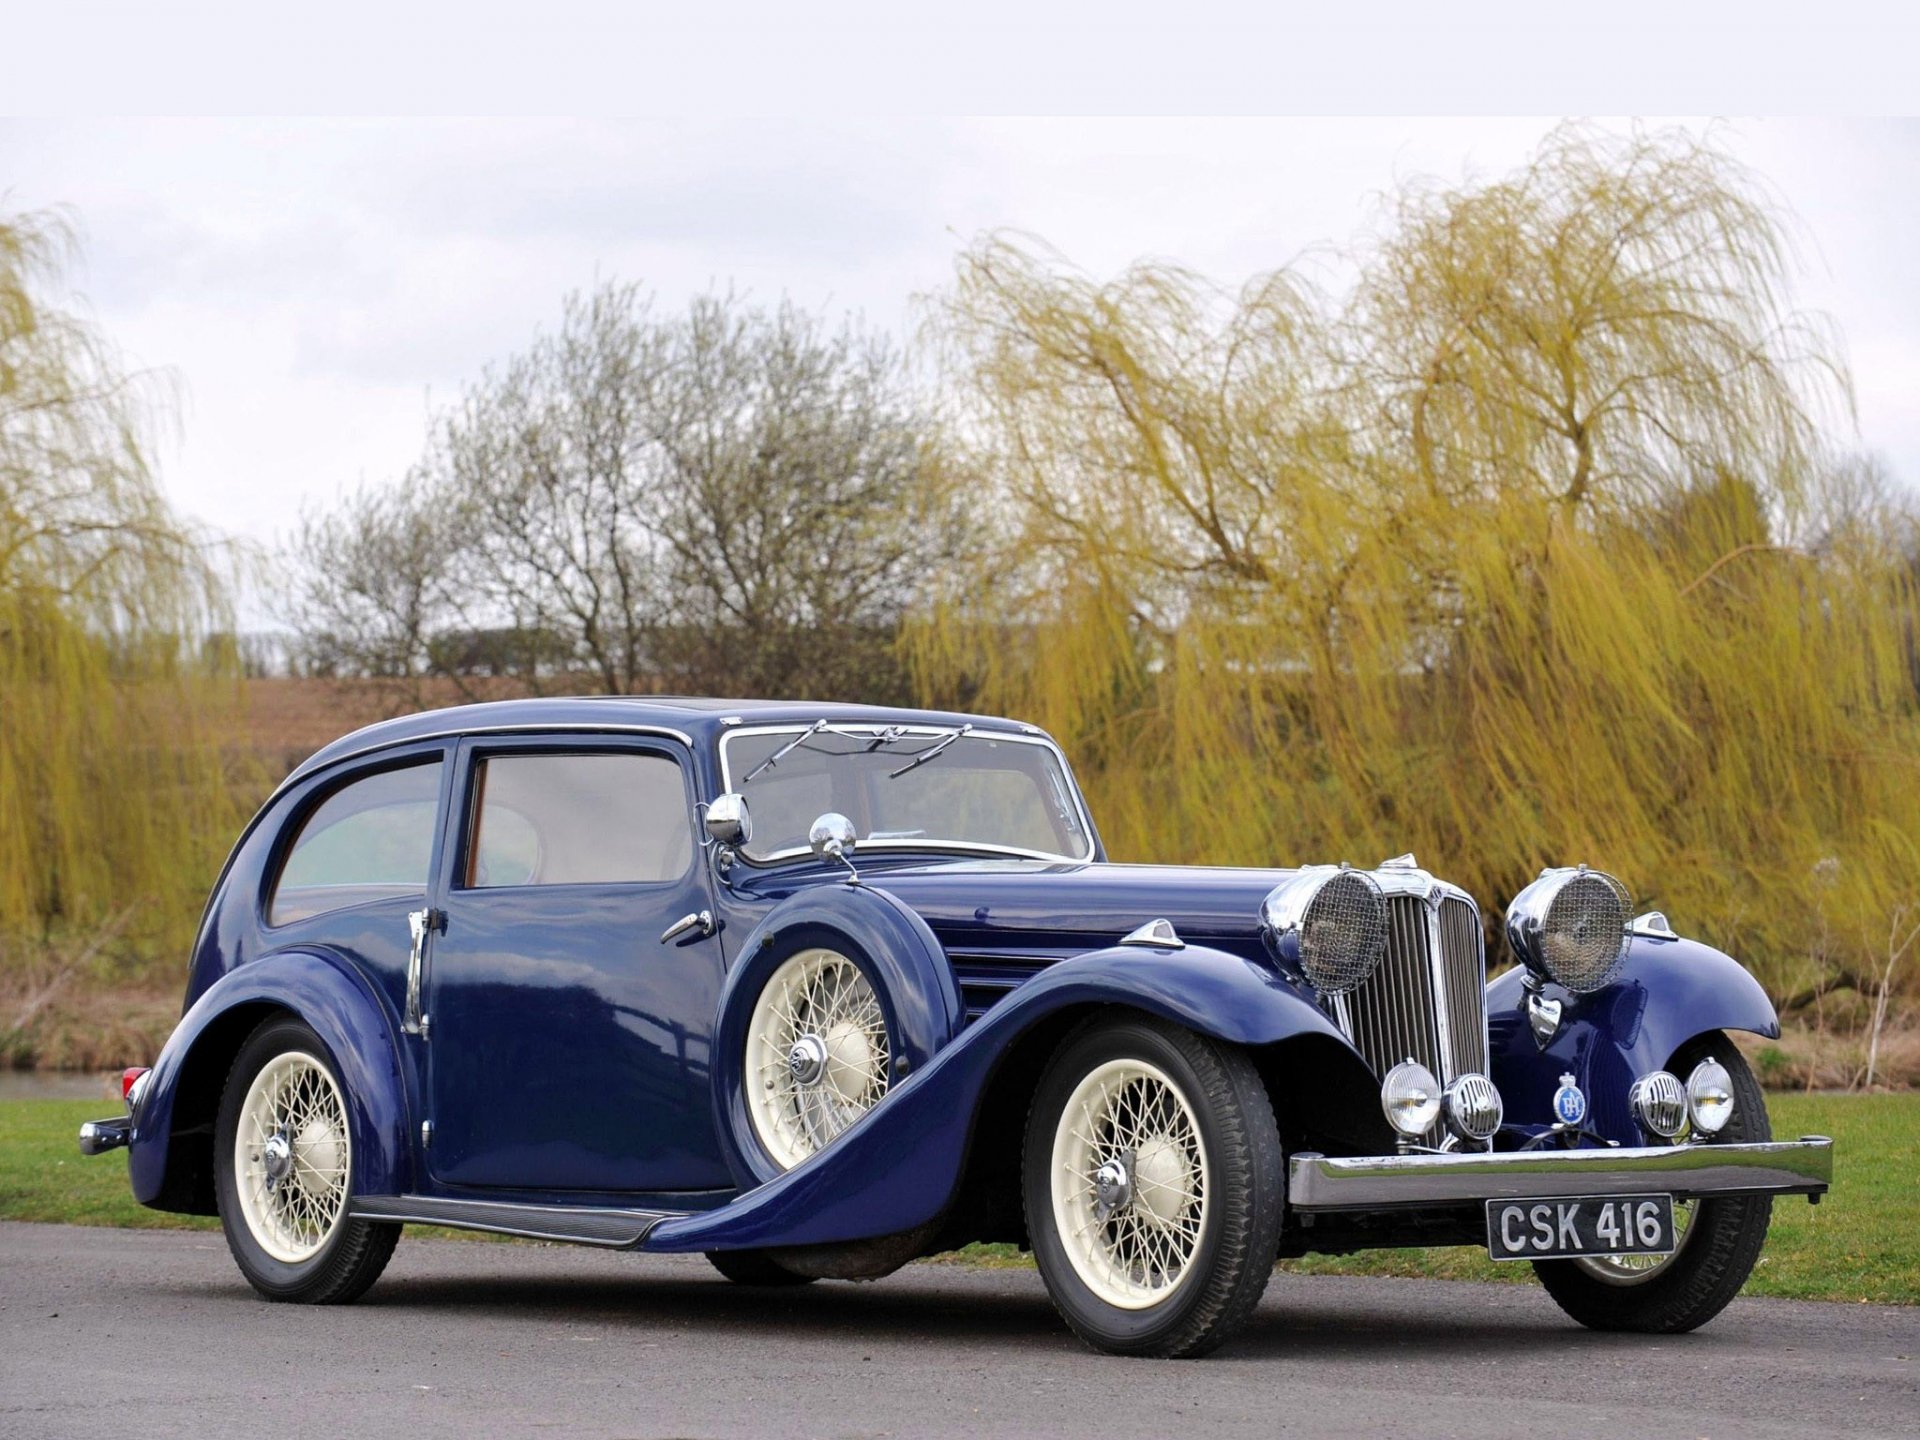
(818, 989)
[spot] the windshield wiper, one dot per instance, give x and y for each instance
(777, 756)
(891, 735)
(927, 754)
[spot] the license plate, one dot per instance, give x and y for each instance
(1592, 1225)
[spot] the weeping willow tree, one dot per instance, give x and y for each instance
(1525, 550)
(113, 798)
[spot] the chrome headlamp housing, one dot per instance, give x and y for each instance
(1329, 924)
(1570, 925)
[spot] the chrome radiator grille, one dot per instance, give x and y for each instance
(1416, 1005)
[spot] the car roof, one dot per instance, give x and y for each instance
(698, 720)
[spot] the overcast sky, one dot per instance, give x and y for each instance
(317, 286)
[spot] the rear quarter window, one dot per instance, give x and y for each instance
(370, 839)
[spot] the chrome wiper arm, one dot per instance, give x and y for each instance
(930, 752)
(794, 744)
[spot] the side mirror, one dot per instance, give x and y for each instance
(728, 821)
(832, 838)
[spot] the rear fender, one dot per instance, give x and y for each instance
(899, 1166)
(1668, 992)
(170, 1158)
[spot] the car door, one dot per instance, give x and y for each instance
(568, 1040)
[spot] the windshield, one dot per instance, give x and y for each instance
(907, 787)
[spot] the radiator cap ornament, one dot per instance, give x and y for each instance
(1569, 1104)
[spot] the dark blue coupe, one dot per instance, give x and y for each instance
(819, 989)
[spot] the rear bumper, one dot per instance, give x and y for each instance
(1320, 1183)
(99, 1136)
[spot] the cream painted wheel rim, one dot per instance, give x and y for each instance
(1130, 1182)
(292, 1155)
(1638, 1269)
(817, 1054)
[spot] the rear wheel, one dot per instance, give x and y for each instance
(1718, 1241)
(1153, 1186)
(283, 1173)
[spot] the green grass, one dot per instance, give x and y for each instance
(1861, 1243)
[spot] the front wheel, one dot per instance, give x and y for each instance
(754, 1267)
(283, 1171)
(1717, 1241)
(1152, 1179)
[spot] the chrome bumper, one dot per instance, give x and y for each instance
(1386, 1182)
(99, 1136)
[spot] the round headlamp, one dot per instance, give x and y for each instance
(1328, 923)
(1570, 925)
(1659, 1104)
(1710, 1096)
(1411, 1098)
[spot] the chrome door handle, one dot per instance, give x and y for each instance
(701, 920)
(420, 924)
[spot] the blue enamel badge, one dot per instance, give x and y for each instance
(1569, 1104)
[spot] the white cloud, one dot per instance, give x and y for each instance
(314, 283)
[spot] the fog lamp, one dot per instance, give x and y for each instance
(1710, 1096)
(1411, 1098)
(1659, 1104)
(1474, 1109)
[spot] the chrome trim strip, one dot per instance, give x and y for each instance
(566, 727)
(946, 846)
(1382, 1182)
(573, 1225)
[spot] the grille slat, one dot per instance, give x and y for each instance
(1396, 1014)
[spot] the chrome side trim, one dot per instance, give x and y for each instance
(568, 727)
(1383, 1182)
(573, 1225)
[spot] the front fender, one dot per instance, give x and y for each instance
(899, 1166)
(170, 1155)
(1668, 992)
(888, 939)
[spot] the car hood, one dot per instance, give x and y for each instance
(988, 904)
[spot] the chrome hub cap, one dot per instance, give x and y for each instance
(818, 1056)
(1129, 1184)
(807, 1061)
(277, 1155)
(292, 1156)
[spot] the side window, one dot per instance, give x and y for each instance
(585, 819)
(372, 839)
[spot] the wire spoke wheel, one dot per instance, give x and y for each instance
(1638, 1269)
(818, 1056)
(1129, 1181)
(292, 1157)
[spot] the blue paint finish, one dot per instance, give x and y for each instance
(569, 1046)
(879, 933)
(898, 1166)
(1668, 991)
(331, 994)
(574, 1060)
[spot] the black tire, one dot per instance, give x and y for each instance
(752, 1267)
(356, 1251)
(1245, 1196)
(1722, 1244)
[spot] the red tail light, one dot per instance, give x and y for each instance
(129, 1077)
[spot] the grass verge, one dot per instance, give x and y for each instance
(1861, 1244)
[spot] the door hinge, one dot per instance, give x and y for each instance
(426, 1133)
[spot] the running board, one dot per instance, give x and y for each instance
(572, 1225)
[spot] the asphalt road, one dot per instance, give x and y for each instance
(153, 1334)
